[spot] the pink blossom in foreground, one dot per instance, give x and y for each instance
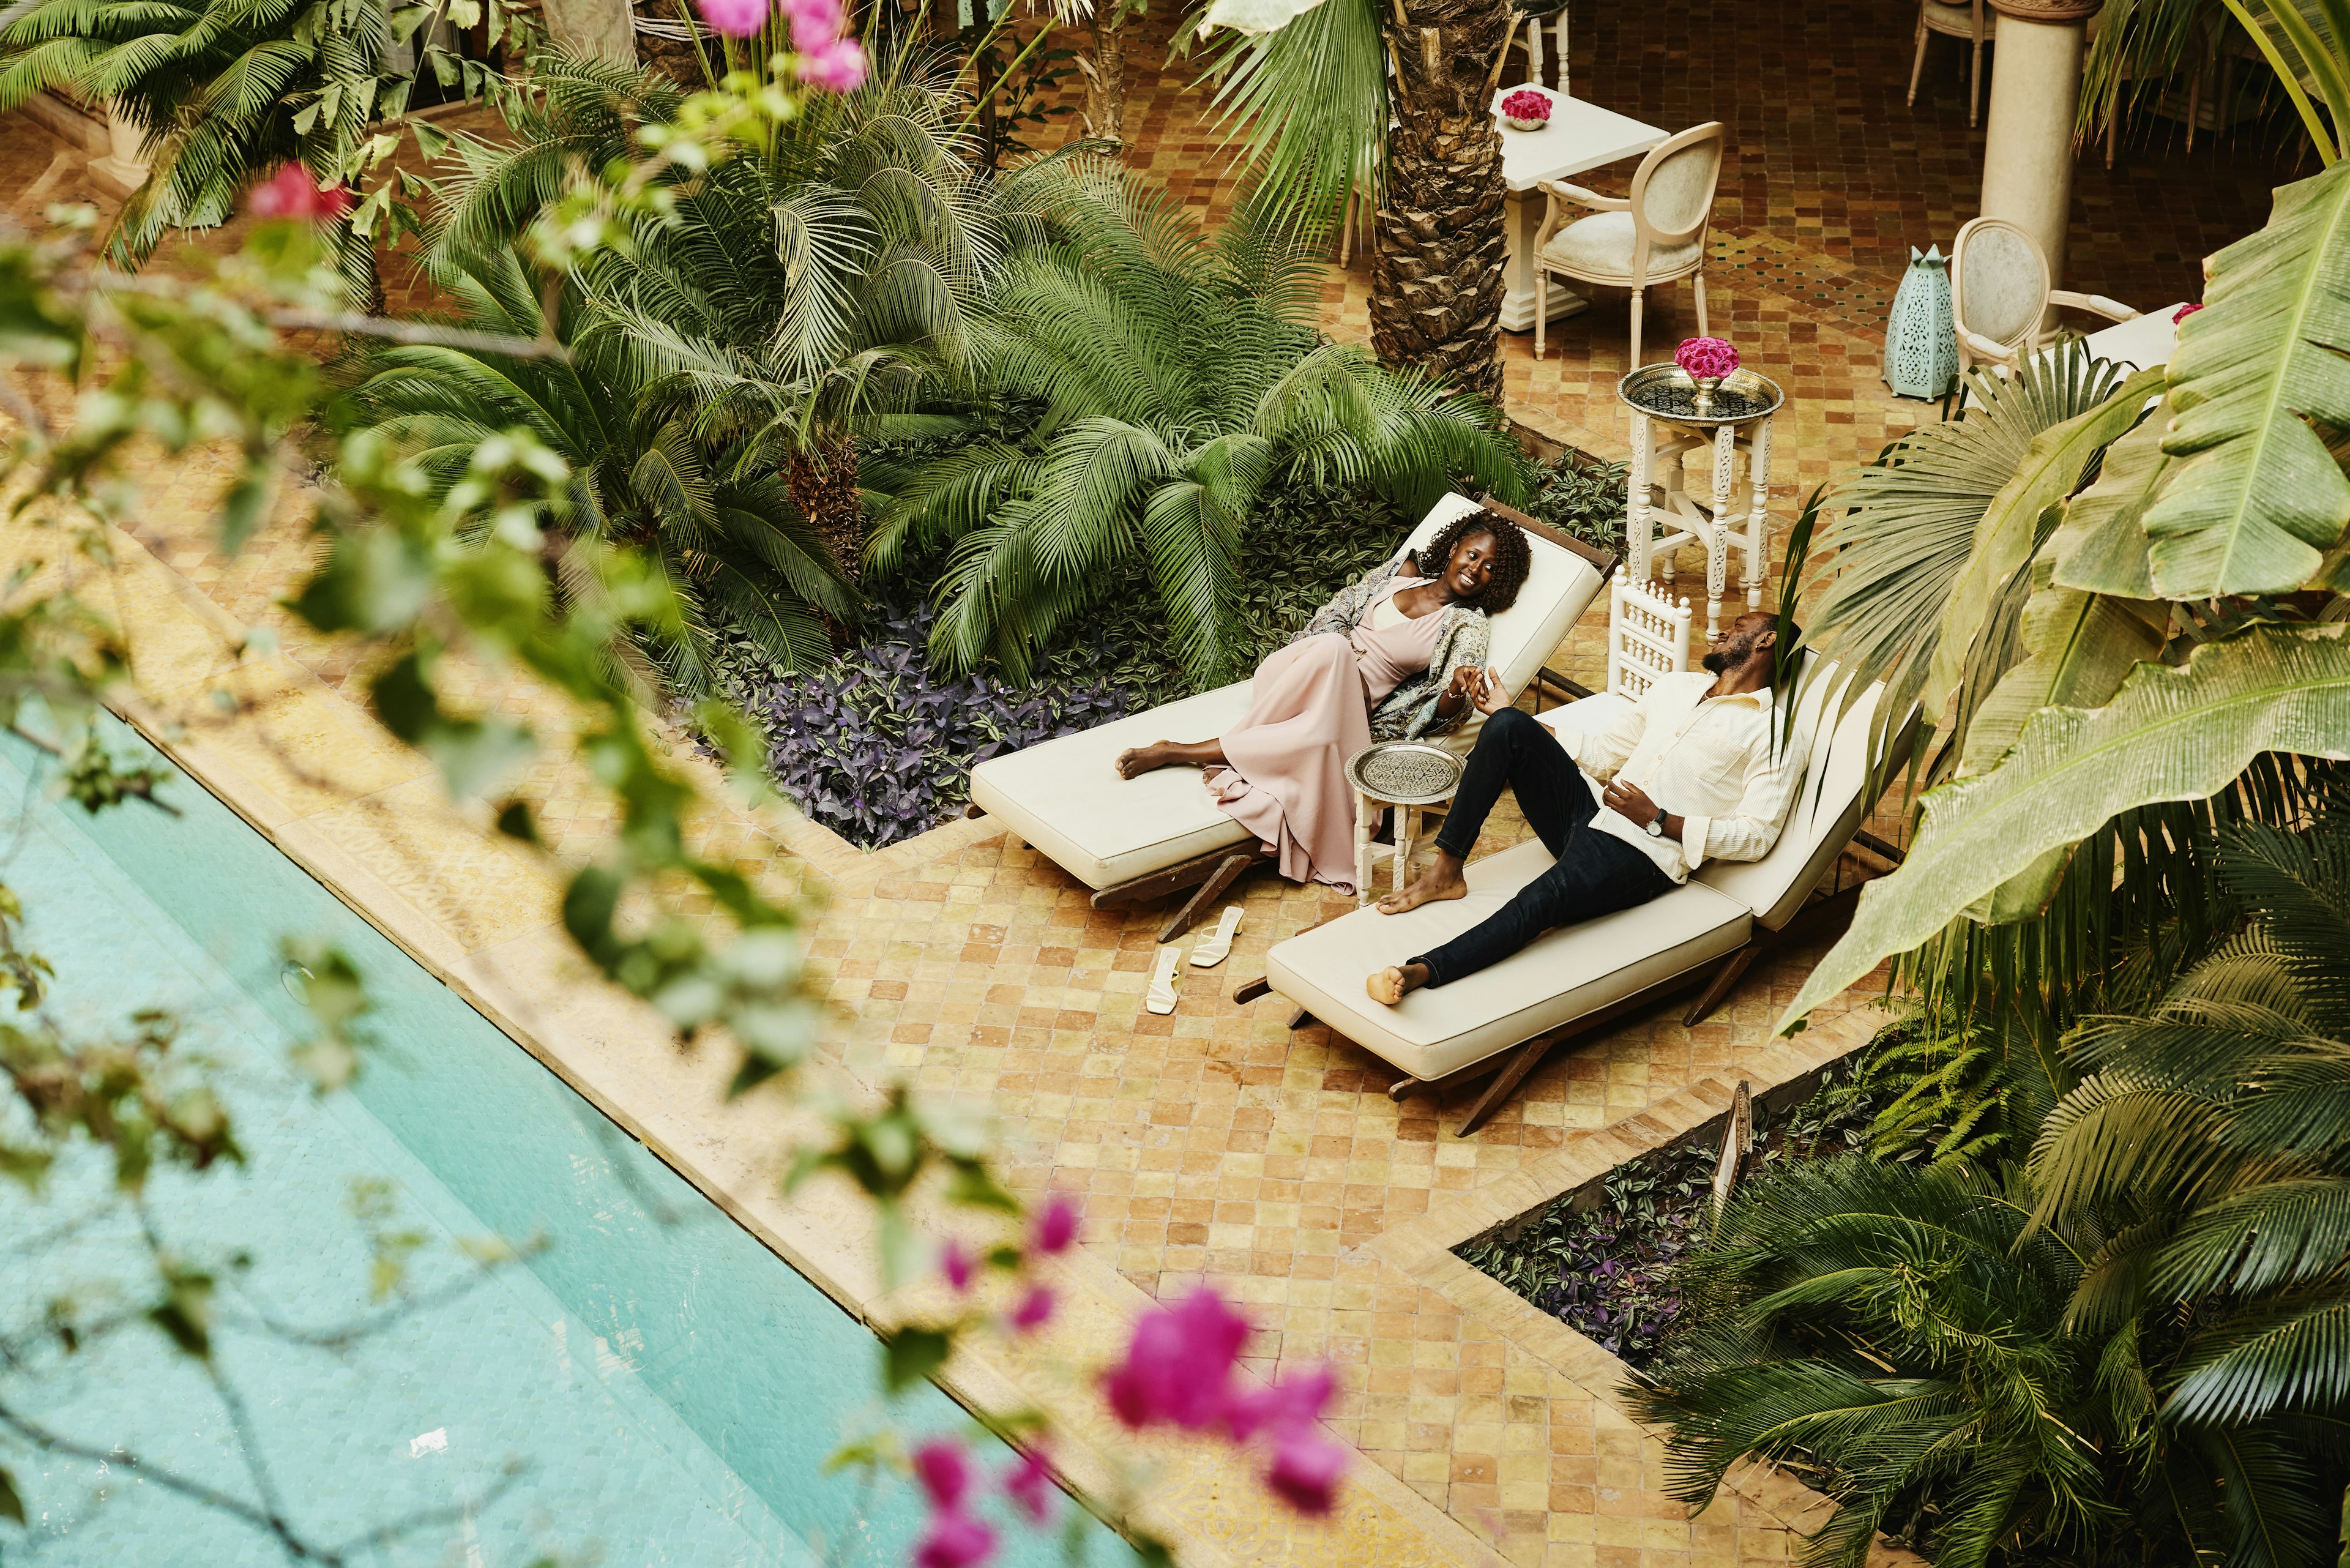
(1526, 103)
(1179, 1367)
(735, 18)
(1056, 1227)
(957, 1264)
(944, 1471)
(837, 67)
(1288, 1407)
(2184, 311)
(955, 1540)
(1035, 1309)
(1305, 1471)
(291, 192)
(1706, 356)
(1030, 1487)
(815, 23)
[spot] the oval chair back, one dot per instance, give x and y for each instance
(1999, 293)
(1672, 192)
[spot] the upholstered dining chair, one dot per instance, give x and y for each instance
(2000, 295)
(1655, 234)
(1969, 19)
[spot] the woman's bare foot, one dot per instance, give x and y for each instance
(1389, 985)
(1440, 881)
(1137, 760)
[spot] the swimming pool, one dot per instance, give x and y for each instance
(651, 1386)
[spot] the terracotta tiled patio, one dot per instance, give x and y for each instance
(1215, 1143)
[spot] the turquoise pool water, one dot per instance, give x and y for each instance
(652, 1387)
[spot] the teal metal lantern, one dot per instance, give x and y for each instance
(1921, 343)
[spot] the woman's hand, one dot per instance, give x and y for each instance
(1468, 685)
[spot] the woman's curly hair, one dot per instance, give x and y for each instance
(1513, 557)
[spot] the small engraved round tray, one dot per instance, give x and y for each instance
(1404, 772)
(1666, 392)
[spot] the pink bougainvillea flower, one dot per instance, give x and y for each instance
(838, 66)
(2184, 311)
(1056, 1227)
(1030, 1487)
(1287, 1408)
(735, 18)
(292, 193)
(955, 1540)
(1706, 356)
(1035, 1309)
(815, 23)
(1179, 1367)
(944, 1471)
(957, 1264)
(1305, 1471)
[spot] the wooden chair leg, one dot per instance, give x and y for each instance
(1300, 1019)
(1975, 85)
(1207, 892)
(1529, 1055)
(1542, 306)
(1917, 66)
(1248, 991)
(1636, 295)
(1719, 986)
(1696, 284)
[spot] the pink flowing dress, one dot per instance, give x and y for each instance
(1310, 710)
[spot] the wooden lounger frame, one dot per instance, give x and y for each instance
(1513, 1063)
(1217, 870)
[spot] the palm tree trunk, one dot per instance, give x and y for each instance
(823, 481)
(1105, 74)
(1436, 270)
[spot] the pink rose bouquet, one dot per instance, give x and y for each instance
(1526, 104)
(1706, 357)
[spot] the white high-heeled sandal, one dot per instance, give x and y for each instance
(1218, 945)
(1160, 997)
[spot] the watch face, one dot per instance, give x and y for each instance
(1657, 827)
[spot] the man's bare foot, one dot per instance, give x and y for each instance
(1440, 881)
(1391, 985)
(1137, 760)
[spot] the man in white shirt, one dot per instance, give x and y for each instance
(1695, 771)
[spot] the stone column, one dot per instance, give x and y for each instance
(124, 168)
(602, 30)
(2035, 84)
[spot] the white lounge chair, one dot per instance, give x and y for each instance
(1139, 839)
(1505, 1019)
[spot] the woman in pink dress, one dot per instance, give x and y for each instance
(1398, 655)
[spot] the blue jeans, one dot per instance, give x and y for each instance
(1596, 874)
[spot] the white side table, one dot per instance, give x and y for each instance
(1411, 776)
(1661, 516)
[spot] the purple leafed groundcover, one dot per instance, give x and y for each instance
(879, 746)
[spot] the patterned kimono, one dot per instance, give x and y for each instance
(1463, 636)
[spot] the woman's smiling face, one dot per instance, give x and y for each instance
(1471, 566)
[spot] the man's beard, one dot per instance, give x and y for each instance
(1718, 659)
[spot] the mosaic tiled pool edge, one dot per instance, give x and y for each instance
(716, 1357)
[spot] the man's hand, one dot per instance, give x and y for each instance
(1630, 800)
(1491, 695)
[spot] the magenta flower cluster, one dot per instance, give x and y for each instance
(1526, 104)
(1706, 356)
(2184, 311)
(826, 57)
(957, 1537)
(1180, 1372)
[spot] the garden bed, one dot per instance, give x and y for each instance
(1600, 1259)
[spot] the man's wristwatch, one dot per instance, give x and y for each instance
(1657, 828)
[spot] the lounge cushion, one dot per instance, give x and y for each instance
(1065, 796)
(1564, 975)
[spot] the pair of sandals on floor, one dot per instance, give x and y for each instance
(1161, 995)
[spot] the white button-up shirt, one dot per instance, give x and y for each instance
(1708, 760)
